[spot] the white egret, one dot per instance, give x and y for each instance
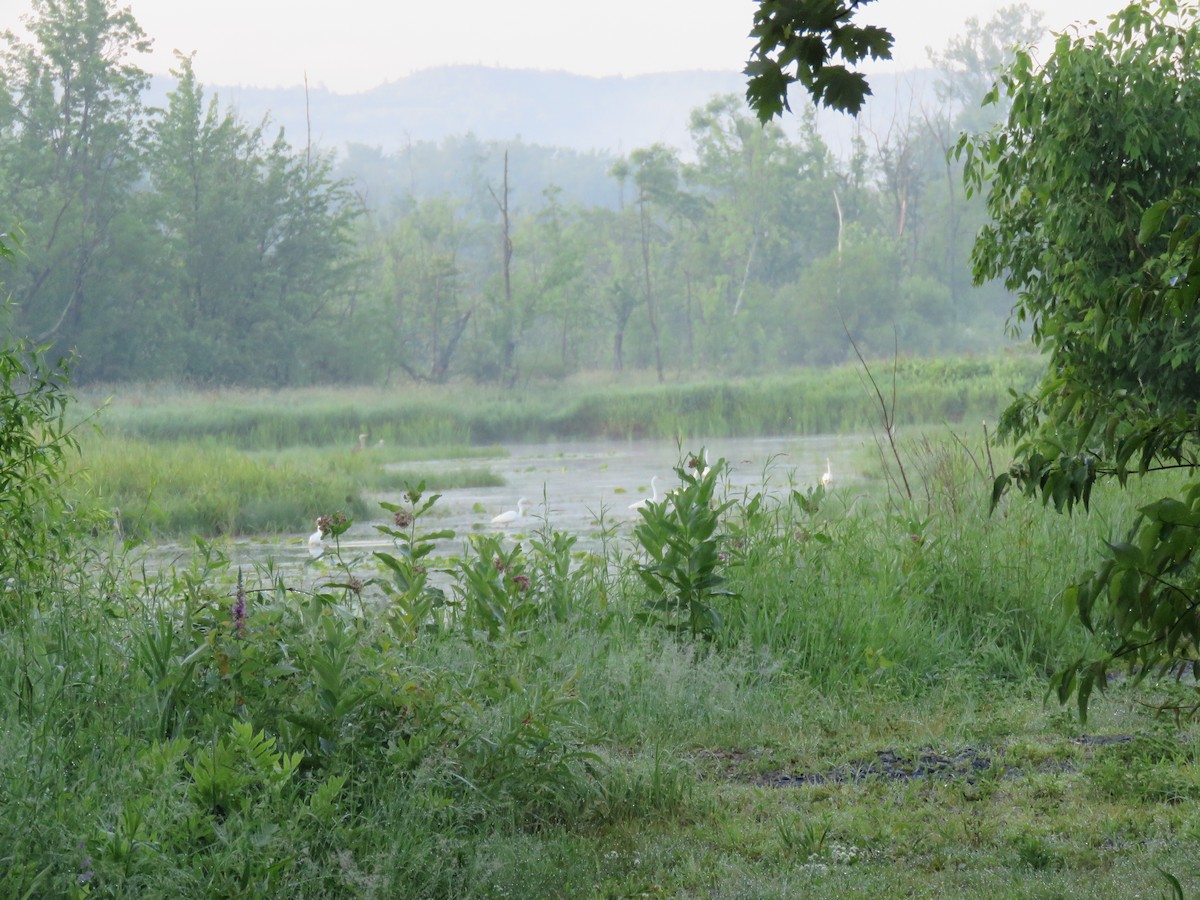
(509, 516)
(641, 504)
(316, 542)
(827, 475)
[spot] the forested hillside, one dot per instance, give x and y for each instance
(178, 240)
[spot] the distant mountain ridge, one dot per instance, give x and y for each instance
(549, 108)
(557, 109)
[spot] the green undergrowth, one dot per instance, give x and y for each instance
(814, 694)
(800, 402)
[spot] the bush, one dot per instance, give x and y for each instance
(34, 443)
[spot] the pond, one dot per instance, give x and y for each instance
(569, 484)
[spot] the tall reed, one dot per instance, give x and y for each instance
(797, 402)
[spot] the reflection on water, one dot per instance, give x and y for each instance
(570, 485)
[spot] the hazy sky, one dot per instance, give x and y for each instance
(351, 45)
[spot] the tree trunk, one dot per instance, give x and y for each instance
(649, 292)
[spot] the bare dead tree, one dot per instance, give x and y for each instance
(506, 253)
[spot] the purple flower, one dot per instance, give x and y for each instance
(239, 608)
(85, 874)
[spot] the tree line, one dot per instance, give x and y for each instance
(183, 243)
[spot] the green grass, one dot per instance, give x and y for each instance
(204, 488)
(867, 716)
(800, 402)
(532, 733)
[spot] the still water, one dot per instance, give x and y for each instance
(570, 484)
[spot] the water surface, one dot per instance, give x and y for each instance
(572, 484)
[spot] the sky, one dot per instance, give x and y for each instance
(353, 45)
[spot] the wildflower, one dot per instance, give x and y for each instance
(239, 608)
(499, 565)
(324, 524)
(521, 582)
(355, 585)
(403, 518)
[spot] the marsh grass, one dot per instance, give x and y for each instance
(209, 489)
(801, 402)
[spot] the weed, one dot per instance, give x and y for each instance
(683, 544)
(804, 838)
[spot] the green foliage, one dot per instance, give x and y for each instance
(208, 732)
(228, 775)
(683, 541)
(1092, 200)
(72, 130)
(35, 444)
(522, 747)
(806, 838)
(447, 422)
(236, 254)
(809, 35)
(200, 488)
(262, 234)
(415, 604)
(495, 590)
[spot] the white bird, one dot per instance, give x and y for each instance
(316, 542)
(827, 475)
(641, 504)
(509, 516)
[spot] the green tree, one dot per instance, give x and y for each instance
(259, 238)
(427, 295)
(1093, 188)
(967, 69)
(71, 130)
(610, 281)
(555, 249)
(656, 175)
(770, 207)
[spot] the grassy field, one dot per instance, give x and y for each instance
(811, 695)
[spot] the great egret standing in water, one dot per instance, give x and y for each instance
(641, 504)
(509, 516)
(316, 542)
(827, 475)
